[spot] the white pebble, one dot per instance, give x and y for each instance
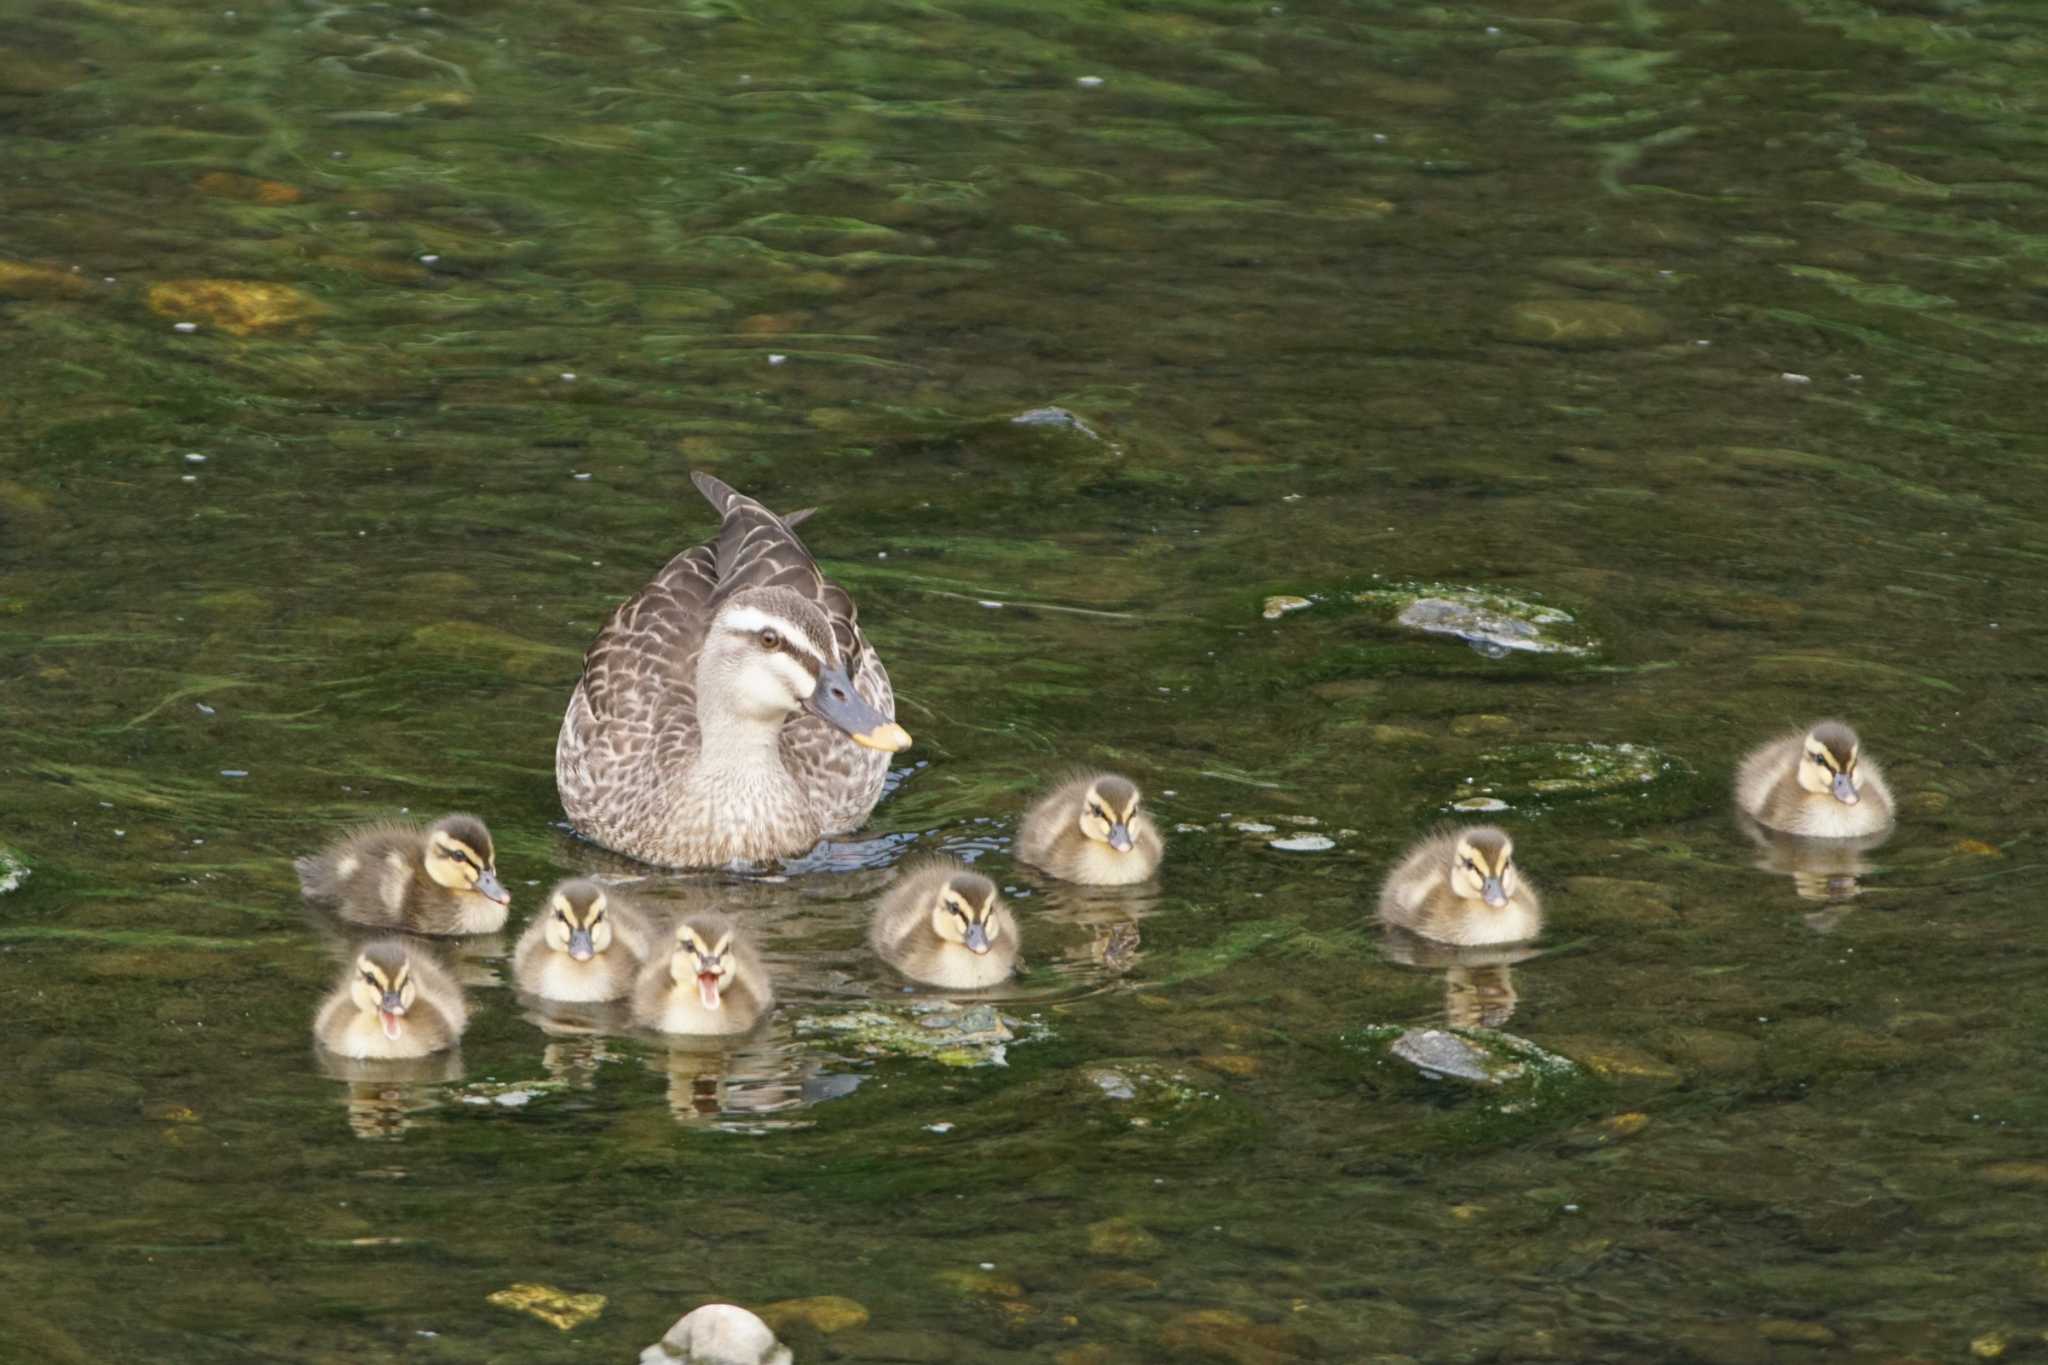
(777, 359)
(428, 260)
(194, 457)
(1304, 843)
(1791, 378)
(184, 327)
(1088, 82)
(990, 605)
(938, 1127)
(188, 478)
(580, 478)
(568, 376)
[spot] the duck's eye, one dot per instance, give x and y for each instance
(375, 984)
(771, 638)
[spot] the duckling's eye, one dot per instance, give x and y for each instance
(1099, 813)
(374, 983)
(564, 919)
(770, 638)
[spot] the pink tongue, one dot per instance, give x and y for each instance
(390, 1023)
(707, 988)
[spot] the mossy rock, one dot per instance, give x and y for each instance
(951, 1035)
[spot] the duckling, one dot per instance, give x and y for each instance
(1089, 829)
(946, 926)
(1462, 886)
(1815, 782)
(586, 946)
(441, 880)
(394, 1001)
(713, 981)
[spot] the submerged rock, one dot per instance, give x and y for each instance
(1581, 323)
(1522, 773)
(556, 1307)
(952, 1035)
(1528, 1080)
(14, 870)
(1279, 605)
(828, 1313)
(717, 1334)
(239, 307)
(1058, 418)
(1488, 623)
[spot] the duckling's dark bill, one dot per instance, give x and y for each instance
(491, 888)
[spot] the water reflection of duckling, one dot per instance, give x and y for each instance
(1090, 829)
(394, 1001)
(440, 880)
(946, 926)
(1479, 985)
(1823, 870)
(713, 981)
(1815, 782)
(1463, 886)
(584, 946)
(384, 1096)
(740, 1083)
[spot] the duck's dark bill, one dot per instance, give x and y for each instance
(836, 701)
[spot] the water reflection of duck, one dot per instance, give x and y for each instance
(1815, 782)
(1091, 829)
(1479, 987)
(439, 880)
(736, 1082)
(384, 1096)
(731, 709)
(1110, 916)
(1828, 871)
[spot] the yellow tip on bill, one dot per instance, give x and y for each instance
(890, 739)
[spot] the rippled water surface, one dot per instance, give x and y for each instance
(358, 356)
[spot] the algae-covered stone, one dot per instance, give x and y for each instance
(557, 1307)
(19, 280)
(952, 1035)
(1581, 323)
(1547, 773)
(828, 1313)
(717, 1334)
(1279, 605)
(239, 307)
(1221, 1334)
(1494, 623)
(979, 1283)
(1121, 1239)
(1477, 1056)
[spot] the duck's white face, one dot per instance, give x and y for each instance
(771, 654)
(577, 925)
(965, 913)
(708, 964)
(1484, 870)
(1107, 812)
(769, 667)
(1824, 772)
(384, 991)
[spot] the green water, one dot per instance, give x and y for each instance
(1350, 294)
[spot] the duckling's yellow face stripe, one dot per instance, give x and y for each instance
(961, 916)
(1473, 866)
